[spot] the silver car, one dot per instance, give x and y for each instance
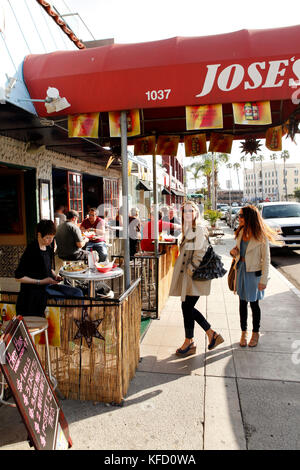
(283, 217)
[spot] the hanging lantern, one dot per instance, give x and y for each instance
(251, 146)
(292, 128)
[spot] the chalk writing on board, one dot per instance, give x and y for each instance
(36, 400)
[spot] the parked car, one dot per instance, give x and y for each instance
(235, 220)
(223, 208)
(230, 215)
(284, 218)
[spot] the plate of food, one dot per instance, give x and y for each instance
(89, 234)
(168, 239)
(75, 268)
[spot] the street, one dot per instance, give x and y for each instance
(288, 263)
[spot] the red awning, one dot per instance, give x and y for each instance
(235, 67)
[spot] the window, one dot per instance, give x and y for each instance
(75, 201)
(111, 196)
(296, 180)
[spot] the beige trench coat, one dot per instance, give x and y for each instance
(182, 283)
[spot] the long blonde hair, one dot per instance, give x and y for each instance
(196, 220)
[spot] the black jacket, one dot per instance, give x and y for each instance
(32, 298)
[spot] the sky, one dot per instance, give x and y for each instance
(133, 21)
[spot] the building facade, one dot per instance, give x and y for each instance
(271, 181)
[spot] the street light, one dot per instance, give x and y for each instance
(53, 102)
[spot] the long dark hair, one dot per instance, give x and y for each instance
(255, 226)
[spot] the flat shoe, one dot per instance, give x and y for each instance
(216, 340)
(188, 351)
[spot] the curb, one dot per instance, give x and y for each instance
(287, 282)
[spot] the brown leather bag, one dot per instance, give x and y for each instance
(231, 278)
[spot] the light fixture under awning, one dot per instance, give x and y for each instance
(143, 186)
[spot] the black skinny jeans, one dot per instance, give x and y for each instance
(190, 315)
(255, 315)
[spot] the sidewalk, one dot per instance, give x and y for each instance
(229, 398)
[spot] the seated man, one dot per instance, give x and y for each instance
(69, 239)
(148, 232)
(95, 224)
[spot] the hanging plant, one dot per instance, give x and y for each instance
(251, 146)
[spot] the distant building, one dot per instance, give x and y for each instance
(271, 181)
(227, 197)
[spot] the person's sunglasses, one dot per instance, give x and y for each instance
(241, 216)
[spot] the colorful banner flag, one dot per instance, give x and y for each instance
(195, 145)
(133, 123)
(208, 116)
(167, 145)
(144, 146)
(221, 143)
(252, 113)
(109, 162)
(83, 125)
(8, 311)
(274, 139)
(129, 167)
(53, 316)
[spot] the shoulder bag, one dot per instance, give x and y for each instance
(231, 278)
(211, 266)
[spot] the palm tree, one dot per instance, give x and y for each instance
(274, 158)
(201, 166)
(253, 159)
(219, 159)
(260, 159)
(237, 168)
(195, 168)
(285, 155)
(229, 166)
(243, 159)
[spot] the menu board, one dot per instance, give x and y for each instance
(32, 390)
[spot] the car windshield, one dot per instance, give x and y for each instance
(281, 211)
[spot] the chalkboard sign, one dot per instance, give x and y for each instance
(32, 391)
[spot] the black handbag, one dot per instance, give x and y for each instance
(211, 266)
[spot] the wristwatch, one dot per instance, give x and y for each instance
(38, 282)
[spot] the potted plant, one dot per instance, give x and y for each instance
(212, 216)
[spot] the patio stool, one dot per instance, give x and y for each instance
(37, 325)
(3, 383)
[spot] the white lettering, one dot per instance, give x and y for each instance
(209, 79)
(255, 75)
(274, 72)
(296, 354)
(238, 75)
(296, 70)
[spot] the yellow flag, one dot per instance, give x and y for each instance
(83, 125)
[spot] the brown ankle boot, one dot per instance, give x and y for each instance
(254, 340)
(243, 340)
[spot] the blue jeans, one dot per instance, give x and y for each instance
(100, 247)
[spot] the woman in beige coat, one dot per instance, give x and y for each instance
(193, 247)
(252, 254)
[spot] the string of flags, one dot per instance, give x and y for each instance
(204, 117)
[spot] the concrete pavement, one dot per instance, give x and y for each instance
(229, 398)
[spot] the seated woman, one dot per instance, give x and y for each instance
(35, 273)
